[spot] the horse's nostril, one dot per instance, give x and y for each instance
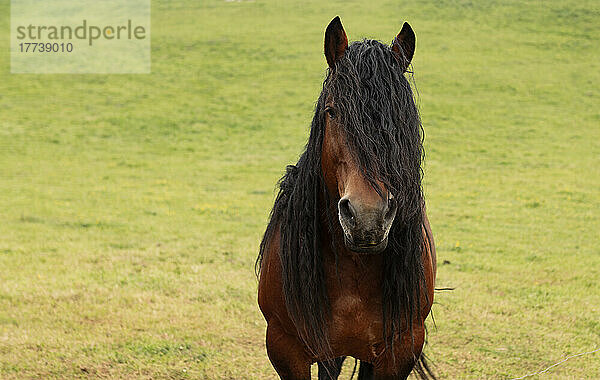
(346, 210)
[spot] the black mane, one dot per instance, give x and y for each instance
(383, 130)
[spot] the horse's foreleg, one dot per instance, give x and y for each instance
(365, 372)
(330, 370)
(287, 354)
(369, 372)
(399, 364)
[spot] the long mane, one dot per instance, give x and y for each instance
(383, 130)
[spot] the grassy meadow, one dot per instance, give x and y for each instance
(132, 206)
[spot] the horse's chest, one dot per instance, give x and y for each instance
(357, 327)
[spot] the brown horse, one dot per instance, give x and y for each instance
(347, 264)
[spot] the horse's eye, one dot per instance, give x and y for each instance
(330, 112)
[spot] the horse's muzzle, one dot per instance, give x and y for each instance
(366, 228)
(366, 248)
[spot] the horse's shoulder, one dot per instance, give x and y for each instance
(270, 288)
(429, 260)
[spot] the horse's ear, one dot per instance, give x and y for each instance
(336, 41)
(404, 46)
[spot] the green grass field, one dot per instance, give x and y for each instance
(132, 206)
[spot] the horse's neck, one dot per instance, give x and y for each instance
(341, 263)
